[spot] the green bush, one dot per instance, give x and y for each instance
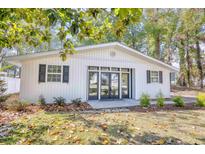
(59, 100)
(160, 100)
(145, 100)
(77, 101)
(42, 100)
(178, 101)
(16, 105)
(200, 99)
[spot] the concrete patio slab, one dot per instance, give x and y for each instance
(100, 104)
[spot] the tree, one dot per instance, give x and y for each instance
(21, 27)
(188, 34)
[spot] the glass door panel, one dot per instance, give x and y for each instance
(125, 85)
(93, 85)
(105, 85)
(114, 87)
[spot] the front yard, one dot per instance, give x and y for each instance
(158, 127)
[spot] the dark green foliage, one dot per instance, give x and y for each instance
(59, 100)
(3, 98)
(42, 100)
(178, 101)
(76, 101)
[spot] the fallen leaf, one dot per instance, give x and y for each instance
(82, 129)
(105, 141)
(161, 141)
(104, 126)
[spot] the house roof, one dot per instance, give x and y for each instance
(16, 60)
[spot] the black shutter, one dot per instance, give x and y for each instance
(148, 76)
(65, 74)
(160, 77)
(170, 77)
(42, 73)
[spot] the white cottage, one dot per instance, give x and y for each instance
(97, 72)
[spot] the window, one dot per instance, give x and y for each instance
(154, 76)
(93, 68)
(115, 69)
(54, 73)
(125, 69)
(105, 68)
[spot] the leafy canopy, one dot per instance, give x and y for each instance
(32, 27)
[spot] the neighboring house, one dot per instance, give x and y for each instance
(97, 72)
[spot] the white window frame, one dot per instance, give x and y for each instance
(154, 78)
(53, 73)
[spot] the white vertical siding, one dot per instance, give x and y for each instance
(77, 87)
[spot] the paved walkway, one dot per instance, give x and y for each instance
(112, 103)
(96, 104)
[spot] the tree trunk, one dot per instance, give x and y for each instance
(188, 61)
(182, 77)
(1, 58)
(199, 63)
(188, 67)
(157, 47)
(133, 40)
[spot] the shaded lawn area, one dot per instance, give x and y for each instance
(162, 127)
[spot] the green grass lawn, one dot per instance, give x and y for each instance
(164, 127)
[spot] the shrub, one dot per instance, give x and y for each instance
(77, 101)
(178, 101)
(59, 100)
(3, 98)
(145, 100)
(42, 100)
(160, 100)
(16, 105)
(3, 89)
(200, 99)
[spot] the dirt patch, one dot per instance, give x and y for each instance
(6, 115)
(184, 91)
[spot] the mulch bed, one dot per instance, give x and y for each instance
(8, 115)
(67, 107)
(166, 107)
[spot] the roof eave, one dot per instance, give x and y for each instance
(16, 60)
